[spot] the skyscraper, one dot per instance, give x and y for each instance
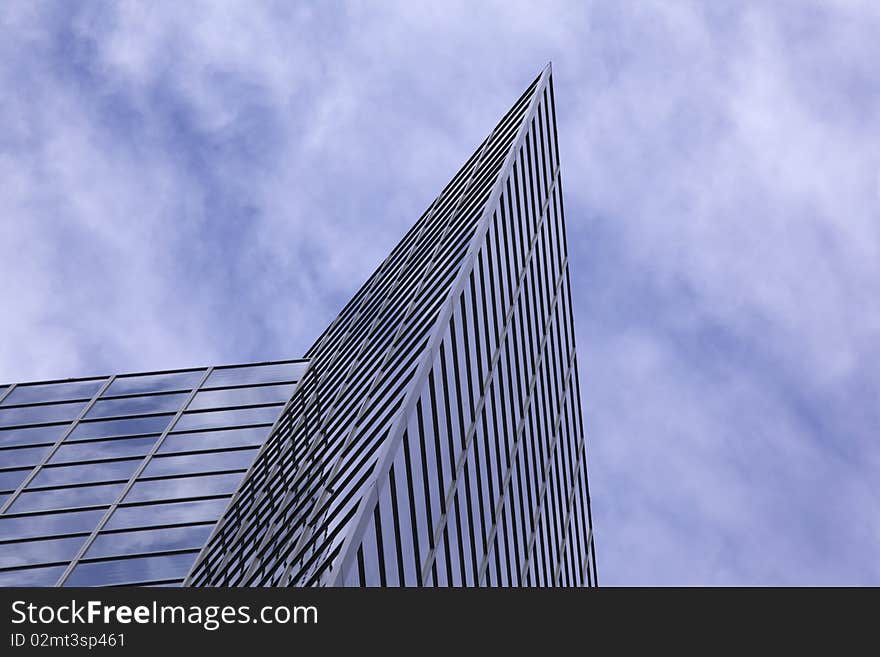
(434, 436)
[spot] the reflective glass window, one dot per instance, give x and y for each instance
(49, 392)
(130, 571)
(185, 442)
(32, 435)
(40, 414)
(10, 479)
(151, 540)
(61, 475)
(241, 396)
(66, 498)
(31, 576)
(22, 456)
(151, 515)
(167, 403)
(234, 376)
(131, 385)
(170, 489)
(207, 462)
(103, 449)
(129, 426)
(50, 524)
(28, 553)
(219, 419)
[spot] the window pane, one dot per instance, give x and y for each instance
(66, 498)
(170, 489)
(207, 462)
(32, 576)
(37, 552)
(62, 475)
(255, 374)
(131, 426)
(185, 442)
(219, 419)
(32, 436)
(103, 449)
(150, 540)
(130, 571)
(48, 392)
(39, 414)
(130, 385)
(50, 524)
(241, 397)
(168, 403)
(10, 480)
(150, 515)
(22, 456)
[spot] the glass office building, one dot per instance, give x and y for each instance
(119, 480)
(432, 435)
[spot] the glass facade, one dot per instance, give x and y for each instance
(437, 439)
(120, 480)
(432, 437)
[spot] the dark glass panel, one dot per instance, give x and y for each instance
(66, 498)
(49, 392)
(241, 397)
(206, 462)
(31, 576)
(167, 403)
(170, 489)
(62, 475)
(150, 540)
(130, 426)
(234, 376)
(103, 449)
(220, 419)
(29, 553)
(131, 571)
(132, 385)
(40, 414)
(50, 524)
(151, 515)
(185, 442)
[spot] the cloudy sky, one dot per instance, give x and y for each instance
(187, 184)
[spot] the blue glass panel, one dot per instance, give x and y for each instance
(103, 449)
(150, 515)
(169, 403)
(32, 436)
(22, 456)
(49, 392)
(50, 524)
(127, 427)
(66, 498)
(133, 385)
(31, 576)
(29, 553)
(220, 419)
(185, 442)
(206, 462)
(241, 397)
(170, 489)
(80, 474)
(234, 376)
(150, 540)
(131, 571)
(10, 417)
(11, 479)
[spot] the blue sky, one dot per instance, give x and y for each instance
(196, 183)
